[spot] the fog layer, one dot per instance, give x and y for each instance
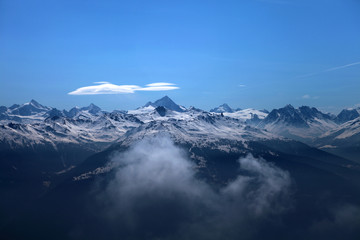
(155, 193)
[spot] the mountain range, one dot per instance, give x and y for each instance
(33, 124)
(55, 160)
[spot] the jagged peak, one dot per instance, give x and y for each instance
(35, 104)
(166, 102)
(308, 108)
(224, 105)
(192, 108)
(91, 107)
(33, 101)
(164, 99)
(94, 106)
(222, 108)
(289, 106)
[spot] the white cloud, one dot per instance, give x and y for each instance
(241, 85)
(101, 82)
(160, 84)
(109, 88)
(156, 178)
(307, 96)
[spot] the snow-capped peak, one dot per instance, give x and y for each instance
(223, 108)
(347, 115)
(92, 108)
(167, 103)
(36, 104)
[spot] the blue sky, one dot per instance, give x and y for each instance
(250, 53)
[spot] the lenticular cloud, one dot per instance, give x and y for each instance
(109, 88)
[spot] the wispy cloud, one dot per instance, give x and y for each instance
(241, 85)
(329, 70)
(307, 96)
(109, 88)
(341, 67)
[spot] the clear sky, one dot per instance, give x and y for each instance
(247, 53)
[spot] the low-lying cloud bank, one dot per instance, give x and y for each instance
(109, 88)
(155, 194)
